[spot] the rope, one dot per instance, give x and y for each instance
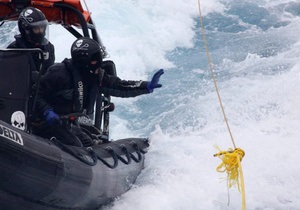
(231, 163)
(213, 75)
(231, 159)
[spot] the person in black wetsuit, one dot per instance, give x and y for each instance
(32, 25)
(72, 87)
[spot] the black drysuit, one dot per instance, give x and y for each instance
(66, 90)
(48, 51)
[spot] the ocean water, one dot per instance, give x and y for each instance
(254, 48)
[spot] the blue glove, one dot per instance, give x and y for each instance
(51, 117)
(154, 82)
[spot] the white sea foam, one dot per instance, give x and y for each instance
(254, 46)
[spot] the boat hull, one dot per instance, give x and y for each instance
(38, 173)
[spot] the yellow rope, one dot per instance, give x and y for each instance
(231, 160)
(213, 75)
(231, 164)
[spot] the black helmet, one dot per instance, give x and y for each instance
(86, 54)
(32, 25)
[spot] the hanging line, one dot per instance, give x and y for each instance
(213, 75)
(231, 159)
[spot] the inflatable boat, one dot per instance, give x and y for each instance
(38, 173)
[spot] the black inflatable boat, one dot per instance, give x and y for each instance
(38, 173)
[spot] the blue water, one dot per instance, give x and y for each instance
(254, 48)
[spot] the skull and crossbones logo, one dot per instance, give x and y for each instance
(18, 120)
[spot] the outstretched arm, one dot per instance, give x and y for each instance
(114, 86)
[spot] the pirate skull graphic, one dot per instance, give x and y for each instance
(18, 120)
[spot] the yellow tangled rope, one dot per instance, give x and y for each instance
(231, 160)
(231, 163)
